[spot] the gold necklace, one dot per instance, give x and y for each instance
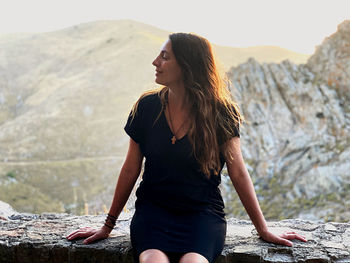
(173, 139)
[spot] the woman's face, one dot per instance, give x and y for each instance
(168, 71)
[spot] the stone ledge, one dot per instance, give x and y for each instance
(41, 238)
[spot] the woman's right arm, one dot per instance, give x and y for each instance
(126, 181)
(127, 178)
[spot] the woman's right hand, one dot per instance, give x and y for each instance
(90, 234)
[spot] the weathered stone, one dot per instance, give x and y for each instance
(41, 238)
(296, 140)
(6, 210)
(331, 61)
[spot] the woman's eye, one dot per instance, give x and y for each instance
(164, 55)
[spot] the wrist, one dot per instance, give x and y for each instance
(110, 222)
(263, 231)
(106, 229)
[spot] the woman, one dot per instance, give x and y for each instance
(186, 131)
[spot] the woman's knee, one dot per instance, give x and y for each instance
(193, 257)
(153, 255)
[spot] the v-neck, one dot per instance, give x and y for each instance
(169, 129)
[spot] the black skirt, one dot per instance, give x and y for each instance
(177, 233)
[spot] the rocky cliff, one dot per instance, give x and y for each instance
(65, 96)
(331, 62)
(64, 99)
(297, 135)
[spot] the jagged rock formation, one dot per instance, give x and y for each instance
(41, 238)
(64, 100)
(296, 140)
(331, 62)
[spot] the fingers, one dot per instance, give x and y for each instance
(90, 234)
(285, 242)
(280, 240)
(90, 239)
(293, 235)
(74, 235)
(97, 236)
(93, 238)
(80, 233)
(283, 239)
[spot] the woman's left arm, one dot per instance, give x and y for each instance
(245, 189)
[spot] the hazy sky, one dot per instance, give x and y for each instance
(298, 25)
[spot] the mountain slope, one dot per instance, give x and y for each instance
(64, 99)
(297, 138)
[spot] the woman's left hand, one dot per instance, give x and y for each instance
(282, 239)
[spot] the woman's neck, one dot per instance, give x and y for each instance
(177, 98)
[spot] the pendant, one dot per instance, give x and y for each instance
(173, 139)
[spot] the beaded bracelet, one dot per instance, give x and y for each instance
(110, 221)
(108, 226)
(109, 215)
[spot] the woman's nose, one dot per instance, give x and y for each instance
(155, 62)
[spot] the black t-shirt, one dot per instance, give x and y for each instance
(172, 177)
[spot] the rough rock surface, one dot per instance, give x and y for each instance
(64, 99)
(297, 137)
(6, 210)
(331, 61)
(41, 238)
(61, 121)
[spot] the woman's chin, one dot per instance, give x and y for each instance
(158, 81)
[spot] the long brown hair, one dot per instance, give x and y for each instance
(216, 116)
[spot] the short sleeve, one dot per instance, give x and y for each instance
(235, 130)
(133, 125)
(232, 126)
